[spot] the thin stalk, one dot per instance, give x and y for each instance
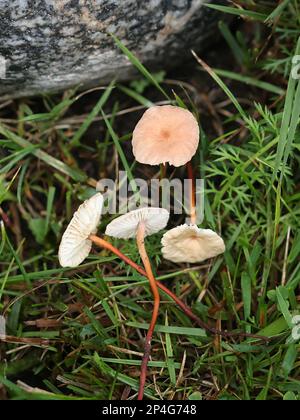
(185, 308)
(192, 194)
(140, 240)
(163, 170)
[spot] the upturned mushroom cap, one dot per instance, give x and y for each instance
(190, 244)
(126, 225)
(165, 134)
(75, 245)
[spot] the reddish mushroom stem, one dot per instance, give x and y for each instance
(192, 193)
(140, 240)
(185, 308)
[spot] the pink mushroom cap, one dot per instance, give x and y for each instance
(165, 134)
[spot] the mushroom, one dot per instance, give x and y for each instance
(165, 134)
(190, 244)
(74, 240)
(75, 245)
(141, 223)
(80, 234)
(126, 226)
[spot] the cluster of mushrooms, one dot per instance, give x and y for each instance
(164, 134)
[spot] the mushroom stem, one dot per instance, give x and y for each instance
(140, 240)
(192, 193)
(185, 308)
(163, 170)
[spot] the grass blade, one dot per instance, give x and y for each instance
(222, 85)
(92, 115)
(238, 12)
(136, 62)
(60, 166)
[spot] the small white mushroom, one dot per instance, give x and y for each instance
(75, 244)
(140, 223)
(126, 226)
(190, 244)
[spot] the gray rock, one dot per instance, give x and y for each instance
(52, 45)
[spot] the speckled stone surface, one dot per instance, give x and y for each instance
(55, 44)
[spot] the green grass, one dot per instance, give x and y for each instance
(78, 333)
